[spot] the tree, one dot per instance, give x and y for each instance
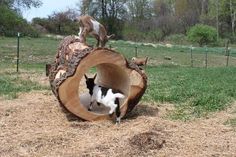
(111, 13)
(188, 12)
(167, 25)
(11, 23)
(204, 7)
(217, 18)
(59, 22)
(62, 22)
(223, 13)
(233, 15)
(161, 8)
(17, 5)
(140, 9)
(41, 24)
(202, 34)
(140, 17)
(84, 7)
(11, 20)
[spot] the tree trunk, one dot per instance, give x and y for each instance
(204, 7)
(217, 18)
(232, 14)
(233, 22)
(74, 59)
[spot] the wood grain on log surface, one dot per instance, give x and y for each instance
(74, 59)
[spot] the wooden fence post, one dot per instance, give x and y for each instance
(191, 51)
(228, 55)
(136, 51)
(18, 52)
(226, 47)
(206, 56)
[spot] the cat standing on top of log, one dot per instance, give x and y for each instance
(88, 25)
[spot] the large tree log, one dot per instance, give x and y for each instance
(74, 59)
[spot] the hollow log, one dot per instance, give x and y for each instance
(74, 59)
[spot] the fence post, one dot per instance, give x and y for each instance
(226, 47)
(18, 52)
(136, 51)
(206, 56)
(228, 54)
(191, 51)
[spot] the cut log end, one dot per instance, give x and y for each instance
(113, 71)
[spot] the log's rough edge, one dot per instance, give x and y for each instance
(71, 64)
(133, 102)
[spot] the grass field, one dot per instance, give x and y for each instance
(11, 84)
(194, 91)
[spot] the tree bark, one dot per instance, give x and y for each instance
(217, 18)
(232, 14)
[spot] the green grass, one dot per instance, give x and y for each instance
(34, 52)
(231, 122)
(11, 85)
(196, 91)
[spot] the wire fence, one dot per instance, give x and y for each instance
(180, 55)
(36, 53)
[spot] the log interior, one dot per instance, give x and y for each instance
(110, 76)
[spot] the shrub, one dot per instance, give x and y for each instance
(11, 23)
(154, 36)
(131, 33)
(202, 34)
(220, 42)
(176, 38)
(229, 36)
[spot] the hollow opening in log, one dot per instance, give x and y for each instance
(109, 76)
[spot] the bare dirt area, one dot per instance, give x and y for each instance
(36, 125)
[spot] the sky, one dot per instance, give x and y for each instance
(48, 7)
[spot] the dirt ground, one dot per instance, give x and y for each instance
(36, 125)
